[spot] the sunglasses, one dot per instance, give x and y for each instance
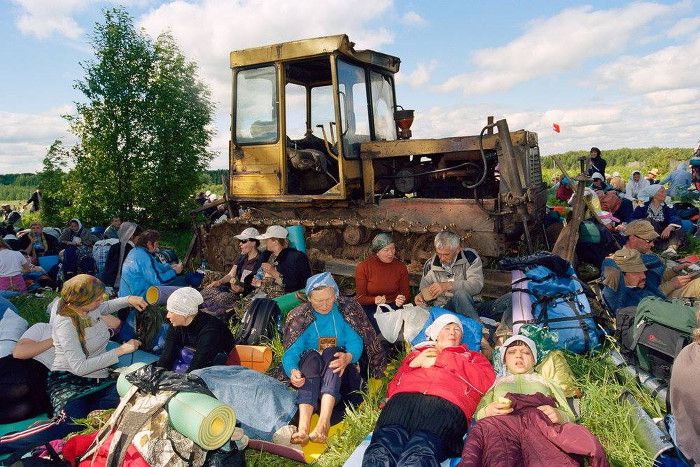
(247, 240)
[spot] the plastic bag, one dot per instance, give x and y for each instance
(389, 322)
(152, 379)
(414, 318)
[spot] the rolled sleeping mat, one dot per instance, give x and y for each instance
(296, 237)
(158, 294)
(288, 302)
(198, 417)
(654, 441)
(656, 386)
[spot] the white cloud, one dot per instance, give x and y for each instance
(559, 43)
(674, 67)
(25, 138)
(419, 76)
(630, 123)
(43, 18)
(247, 23)
(684, 27)
(411, 18)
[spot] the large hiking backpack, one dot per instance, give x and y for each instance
(556, 302)
(259, 320)
(661, 329)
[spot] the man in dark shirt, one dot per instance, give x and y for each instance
(35, 201)
(207, 335)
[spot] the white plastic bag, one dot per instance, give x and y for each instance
(389, 322)
(414, 318)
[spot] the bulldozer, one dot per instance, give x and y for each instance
(318, 140)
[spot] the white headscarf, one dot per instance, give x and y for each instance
(434, 329)
(185, 301)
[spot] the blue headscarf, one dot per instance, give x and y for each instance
(321, 280)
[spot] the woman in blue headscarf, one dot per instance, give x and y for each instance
(323, 341)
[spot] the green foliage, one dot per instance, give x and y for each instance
(623, 160)
(143, 129)
(55, 200)
(17, 187)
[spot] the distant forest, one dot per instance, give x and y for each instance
(19, 187)
(15, 187)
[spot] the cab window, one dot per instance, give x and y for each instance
(352, 88)
(382, 106)
(256, 106)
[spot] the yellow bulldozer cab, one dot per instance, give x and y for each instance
(300, 112)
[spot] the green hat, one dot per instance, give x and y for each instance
(380, 241)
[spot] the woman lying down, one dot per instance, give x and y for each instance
(524, 419)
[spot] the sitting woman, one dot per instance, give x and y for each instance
(129, 233)
(634, 187)
(13, 264)
(36, 243)
(208, 337)
(220, 295)
(23, 375)
(432, 399)
(664, 219)
(323, 339)
(515, 419)
(78, 381)
(141, 269)
(382, 278)
(285, 266)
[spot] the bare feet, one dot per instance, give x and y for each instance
(300, 437)
(320, 434)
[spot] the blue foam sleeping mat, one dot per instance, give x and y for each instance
(355, 459)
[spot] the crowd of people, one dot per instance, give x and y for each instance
(445, 400)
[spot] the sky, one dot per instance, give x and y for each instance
(611, 74)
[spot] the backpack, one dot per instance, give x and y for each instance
(556, 302)
(661, 329)
(100, 250)
(259, 320)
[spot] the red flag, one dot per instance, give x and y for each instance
(555, 127)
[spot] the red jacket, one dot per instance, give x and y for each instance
(458, 375)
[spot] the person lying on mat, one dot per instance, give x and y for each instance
(523, 406)
(23, 375)
(382, 278)
(323, 339)
(431, 400)
(207, 335)
(79, 380)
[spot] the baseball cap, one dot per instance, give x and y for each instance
(629, 260)
(274, 231)
(641, 228)
(250, 232)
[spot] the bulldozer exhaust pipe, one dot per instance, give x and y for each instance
(513, 176)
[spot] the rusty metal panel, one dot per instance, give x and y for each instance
(461, 213)
(405, 147)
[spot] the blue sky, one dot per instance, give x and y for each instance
(612, 74)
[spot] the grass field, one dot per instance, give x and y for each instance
(601, 410)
